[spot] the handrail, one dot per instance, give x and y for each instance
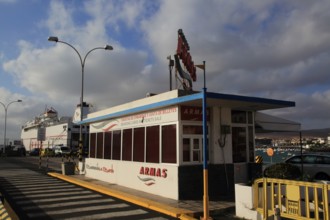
(293, 199)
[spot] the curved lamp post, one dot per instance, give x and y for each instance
(82, 63)
(6, 108)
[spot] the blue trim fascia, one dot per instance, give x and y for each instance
(160, 104)
(187, 98)
(251, 99)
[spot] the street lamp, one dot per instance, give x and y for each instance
(82, 62)
(6, 108)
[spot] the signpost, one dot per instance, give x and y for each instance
(270, 152)
(41, 136)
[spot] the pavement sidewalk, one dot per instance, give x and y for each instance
(183, 209)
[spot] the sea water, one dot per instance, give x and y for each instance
(278, 156)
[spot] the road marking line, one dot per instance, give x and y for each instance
(77, 210)
(58, 199)
(67, 204)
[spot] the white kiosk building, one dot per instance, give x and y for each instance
(154, 144)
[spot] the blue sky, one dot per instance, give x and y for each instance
(273, 49)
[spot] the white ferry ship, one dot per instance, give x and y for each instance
(48, 129)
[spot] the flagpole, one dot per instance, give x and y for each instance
(205, 168)
(204, 75)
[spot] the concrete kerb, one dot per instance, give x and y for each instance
(153, 205)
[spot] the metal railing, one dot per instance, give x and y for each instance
(291, 199)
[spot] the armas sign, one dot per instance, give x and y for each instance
(183, 54)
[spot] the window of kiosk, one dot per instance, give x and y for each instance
(169, 143)
(242, 136)
(116, 145)
(196, 151)
(138, 144)
(239, 144)
(151, 144)
(127, 144)
(99, 145)
(107, 144)
(192, 143)
(92, 144)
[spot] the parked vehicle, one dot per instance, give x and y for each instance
(61, 150)
(47, 152)
(34, 152)
(316, 166)
(16, 151)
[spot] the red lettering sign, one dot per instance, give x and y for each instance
(142, 170)
(193, 113)
(164, 173)
(183, 53)
(151, 171)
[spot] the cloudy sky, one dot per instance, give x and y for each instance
(273, 49)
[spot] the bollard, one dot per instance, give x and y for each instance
(277, 214)
(47, 162)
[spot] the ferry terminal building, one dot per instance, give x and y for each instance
(155, 144)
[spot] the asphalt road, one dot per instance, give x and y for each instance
(34, 195)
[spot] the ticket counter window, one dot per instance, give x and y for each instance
(127, 145)
(169, 144)
(107, 144)
(138, 144)
(99, 145)
(152, 144)
(116, 145)
(92, 145)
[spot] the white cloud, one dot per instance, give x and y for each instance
(272, 49)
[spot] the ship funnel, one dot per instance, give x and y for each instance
(76, 115)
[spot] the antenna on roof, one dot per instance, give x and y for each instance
(170, 67)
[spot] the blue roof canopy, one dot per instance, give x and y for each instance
(236, 102)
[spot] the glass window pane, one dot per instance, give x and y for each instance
(197, 150)
(250, 120)
(196, 144)
(107, 145)
(238, 117)
(192, 129)
(138, 145)
(239, 144)
(319, 160)
(169, 144)
(326, 160)
(309, 159)
(196, 156)
(152, 144)
(296, 159)
(116, 145)
(186, 149)
(251, 144)
(92, 145)
(99, 148)
(127, 144)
